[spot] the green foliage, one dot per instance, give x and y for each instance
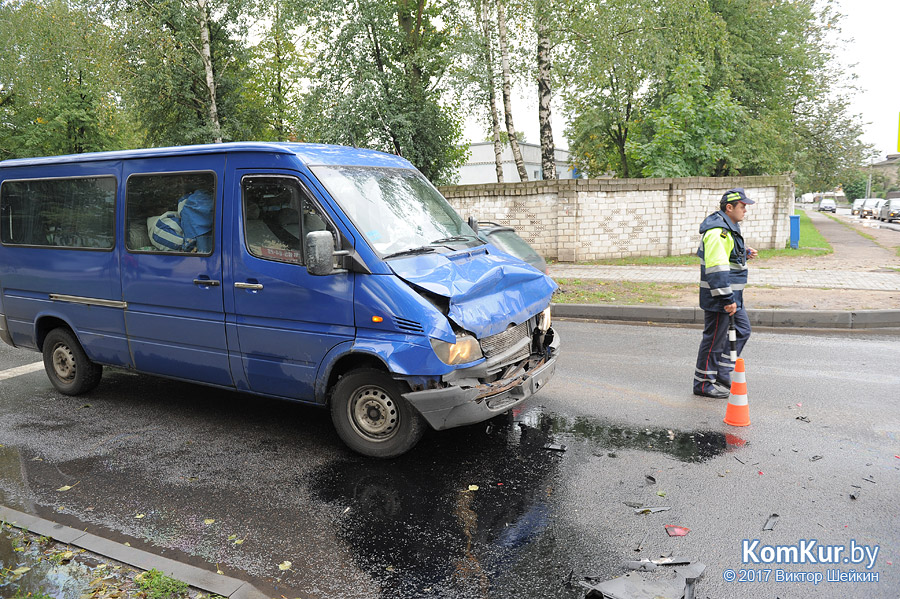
(377, 83)
(59, 82)
(157, 585)
(854, 183)
(691, 130)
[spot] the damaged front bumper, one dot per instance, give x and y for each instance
(459, 405)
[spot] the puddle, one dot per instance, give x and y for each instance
(415, 527)
(692, 446)
(31, 567)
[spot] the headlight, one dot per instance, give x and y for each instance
(543, 322)
(466, 349)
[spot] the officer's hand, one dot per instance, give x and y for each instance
(731, 308)
(751, 253)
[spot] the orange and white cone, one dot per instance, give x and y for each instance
(738, 411)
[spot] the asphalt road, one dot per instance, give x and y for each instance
(274, 475)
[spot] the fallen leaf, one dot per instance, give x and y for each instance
(209, 521)
(239, 541)
(20, 571)
(66, 556)
(127, 544)
(139, 516)
(473, 487)
(661, 493)
(232, 537)
(285, 565)
(65, 488)
(218, 570)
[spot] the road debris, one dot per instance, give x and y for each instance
(815, 458)
(870, 479)
(676, 531)
(802, 418)
(634, 586)
(650, 480)
(555, 447)
(771, 522)
(646, 509)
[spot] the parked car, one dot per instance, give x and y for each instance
(507, 240)
(857, 205)
(868, 208)
(890, 210)
(827, 206)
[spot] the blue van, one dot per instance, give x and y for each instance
(323, 274)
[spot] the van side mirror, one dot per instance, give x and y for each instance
(319, 253)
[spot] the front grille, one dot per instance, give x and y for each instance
(501, 342)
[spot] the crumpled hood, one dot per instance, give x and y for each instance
(482, 285)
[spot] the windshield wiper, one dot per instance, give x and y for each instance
(455, 238)
(410, 252)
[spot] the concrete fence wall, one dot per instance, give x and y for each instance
(590, 219)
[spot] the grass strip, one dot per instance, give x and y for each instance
(627, 293)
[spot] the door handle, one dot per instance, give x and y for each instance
(250, 286)
(206, 282)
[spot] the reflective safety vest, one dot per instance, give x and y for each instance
(723, 263)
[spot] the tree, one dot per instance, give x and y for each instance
(187, 67)
(620, 52)
(506, 78)
(59, 81)
(544, 69)
(378, 82)
(690, 133)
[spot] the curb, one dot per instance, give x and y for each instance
(137, 558)
(817, 319)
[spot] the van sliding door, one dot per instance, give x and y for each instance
(172, 268)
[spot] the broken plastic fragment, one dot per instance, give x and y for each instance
(802, 418)
(643, 565)
(815, 458)
(651, 510)
(650, 480)
(770, 523)
(676, 531)
(555, 447)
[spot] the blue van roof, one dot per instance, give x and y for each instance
(309, 154)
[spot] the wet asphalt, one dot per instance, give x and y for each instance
(151, 462)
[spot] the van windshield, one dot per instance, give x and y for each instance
(397, 210)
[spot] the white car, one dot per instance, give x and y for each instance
(869, 208)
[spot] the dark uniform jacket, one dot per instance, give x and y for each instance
(723, 263)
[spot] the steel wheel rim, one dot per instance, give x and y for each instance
(373, 413)
(63, 362)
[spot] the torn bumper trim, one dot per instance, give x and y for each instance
(457, 406)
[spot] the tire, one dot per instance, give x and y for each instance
(371, 416)
(67, 366)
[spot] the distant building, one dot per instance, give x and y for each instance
(481, 166)
(890, 168)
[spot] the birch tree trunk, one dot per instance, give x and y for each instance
(492, 92)
(206, 57)
(548, 158)
(507, 92)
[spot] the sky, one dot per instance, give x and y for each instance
(871, 30)
(873, 26)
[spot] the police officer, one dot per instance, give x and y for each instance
(723, 274)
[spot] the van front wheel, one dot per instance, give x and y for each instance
(67, 366)
(371, 416)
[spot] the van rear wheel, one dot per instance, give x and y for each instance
(371, 416)
(67, 366)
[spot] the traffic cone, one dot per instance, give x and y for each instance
(738, 411)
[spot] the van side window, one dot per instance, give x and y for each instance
(63, 213)
(170, 212)
(277, 216)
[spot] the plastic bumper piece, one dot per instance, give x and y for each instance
(457, 406)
